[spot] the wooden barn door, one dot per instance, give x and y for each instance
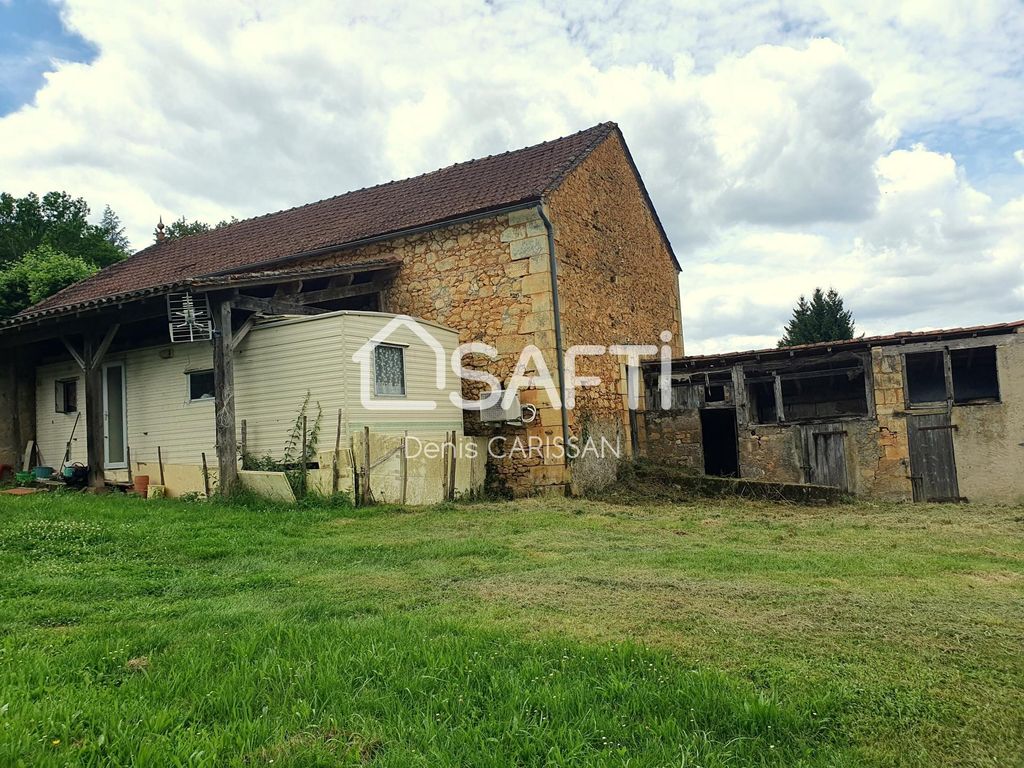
(932, 463)
(825, 455)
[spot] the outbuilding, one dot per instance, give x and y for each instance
(928, 416)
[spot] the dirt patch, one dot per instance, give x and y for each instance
(138, 664)
(995, 577)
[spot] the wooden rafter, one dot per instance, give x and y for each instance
(273, 306)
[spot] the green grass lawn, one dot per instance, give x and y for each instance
(561, 632)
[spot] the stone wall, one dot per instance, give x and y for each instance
(771, 452)
(988, 438)
(889, 478)
(674, 437)
(618, 284)
(490, 280)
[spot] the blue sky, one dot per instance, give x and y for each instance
(877, 147)
(31, 37)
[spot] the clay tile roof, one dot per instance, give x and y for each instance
(863, 342)
(459, 190)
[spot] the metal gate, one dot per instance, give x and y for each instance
(932, 463)
(825, 455)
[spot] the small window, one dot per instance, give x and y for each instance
(201, 386)
(974, 375)
(926, 378)
(389, 370)
(762, 402)
(67, 396)
(714, 393)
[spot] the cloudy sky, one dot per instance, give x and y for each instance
(786, 145)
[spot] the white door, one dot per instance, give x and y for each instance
(115, 417)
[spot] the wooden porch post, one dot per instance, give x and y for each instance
(224, 391)
(90, 361)
(95, 426)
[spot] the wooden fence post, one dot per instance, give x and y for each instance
(337, 458)
(305, 459)
(451, 469)
(244, 447)
(367, 493)
(206, 476)
(404, 464)
(355, 470)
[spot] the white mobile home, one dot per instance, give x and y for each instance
(160, 418)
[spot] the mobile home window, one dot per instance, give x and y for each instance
(974, 375)
(201, 386)
(926, 377)
(389, 370)
(67, 396)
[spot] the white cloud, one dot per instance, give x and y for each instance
(937, 253)
(1019, 156)
(797, 132)
(768, 146)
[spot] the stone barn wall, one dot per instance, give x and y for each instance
(618, 284)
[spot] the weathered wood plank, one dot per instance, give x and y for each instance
(224, 394)
(95, 426)
(274, 306)
(344, 291)
(932, 458)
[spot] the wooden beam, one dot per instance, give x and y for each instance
(95, 426)
(74, 353)
(344, 291)
(224, 393)
(72, 323)
(284, 290)
(241, 333)
(780, 413)
(274, 306)
(101, 351)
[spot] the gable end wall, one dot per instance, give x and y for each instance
(618, 284)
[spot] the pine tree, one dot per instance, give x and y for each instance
(823, 318)
(114, 231)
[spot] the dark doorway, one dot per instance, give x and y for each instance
(718, 436)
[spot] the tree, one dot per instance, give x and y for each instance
(64, 246)
(183, 227)
(38, 274)
(114, 231)
(823, 318)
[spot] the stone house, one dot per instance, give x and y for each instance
(552, 245)
(929, 416)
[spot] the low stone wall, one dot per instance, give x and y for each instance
(674, 436)
(672, 483)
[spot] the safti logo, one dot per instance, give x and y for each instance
(383, 382)
(370, 373)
